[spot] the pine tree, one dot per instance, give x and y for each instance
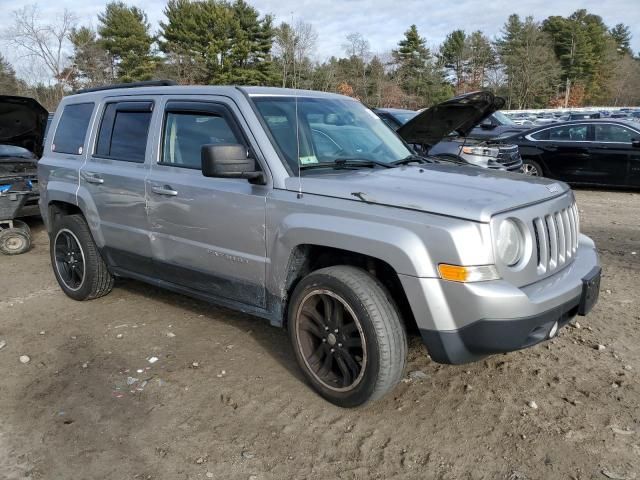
(9, 83)
(622, 36)
(125, 35)
(453, 53)
(418, 74)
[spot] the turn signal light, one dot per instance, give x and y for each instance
(458, 273)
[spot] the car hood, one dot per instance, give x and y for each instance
(459, 114)
(457, 191)
(22, 123)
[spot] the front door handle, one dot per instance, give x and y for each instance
(93, 178)
(165, 190)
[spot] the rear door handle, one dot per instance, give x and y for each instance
(165, 190)
(93, 178)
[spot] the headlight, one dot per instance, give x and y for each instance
(482, 151)
(510, 243)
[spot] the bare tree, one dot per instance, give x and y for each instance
(293, 45)
(43, 41)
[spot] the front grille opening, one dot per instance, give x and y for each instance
(535, 231)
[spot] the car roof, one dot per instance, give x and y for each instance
(225, 90)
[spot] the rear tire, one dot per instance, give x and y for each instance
(347, 335)
(532, 168)
(14, 241)
(76, 261)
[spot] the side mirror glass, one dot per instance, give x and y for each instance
(226, 160)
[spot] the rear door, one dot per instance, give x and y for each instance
(612, 153)
(114, 175)
(208, 234)
(565, 151)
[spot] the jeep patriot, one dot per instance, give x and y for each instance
(306, 209)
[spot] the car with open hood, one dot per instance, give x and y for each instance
(426, 131)
(305, 209)
(22, 126)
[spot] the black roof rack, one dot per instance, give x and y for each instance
(146, 83)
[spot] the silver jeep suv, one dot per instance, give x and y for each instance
(305, 209)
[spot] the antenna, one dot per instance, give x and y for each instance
(295, 96)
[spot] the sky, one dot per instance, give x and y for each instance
(381, 22)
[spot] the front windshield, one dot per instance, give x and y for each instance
(503, 119)
(14, 151)
(328, 129)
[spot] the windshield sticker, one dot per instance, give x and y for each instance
(308, 160)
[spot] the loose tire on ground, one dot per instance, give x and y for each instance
(95, 280)
(379, 360)
(14, 241)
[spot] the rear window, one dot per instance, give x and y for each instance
(123, 131)
(72, 128)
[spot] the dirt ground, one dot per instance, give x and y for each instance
(90, 405)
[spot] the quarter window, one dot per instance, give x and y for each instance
(72, 128)
(123, 131)
(569, 133)
(613, 133)
(186, 133)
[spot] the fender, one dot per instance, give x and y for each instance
(401, 248)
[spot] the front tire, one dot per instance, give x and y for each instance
(77, 264)
(347, 335)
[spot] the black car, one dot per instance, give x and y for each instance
(497, 126)
(450, 147)
(592, 152)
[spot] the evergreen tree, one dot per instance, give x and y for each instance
(125, 35)
(419, 76)
(621, 34)
(91, 64)
(9, 83)
(529, 63)
(453, 53)
(219, 42)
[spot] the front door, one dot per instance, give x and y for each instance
(208, 234)
(566, 153)
(114, 174)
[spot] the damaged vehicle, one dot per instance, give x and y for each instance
(305, 209)
(22, 127)
(427, 132)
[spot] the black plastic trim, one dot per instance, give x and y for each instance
(489, 336)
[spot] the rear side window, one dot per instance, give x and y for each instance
(123, 131)
(575, 133)
(72, 128)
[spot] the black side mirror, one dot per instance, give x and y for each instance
(226, 160)
(487, 124)
(635, 143)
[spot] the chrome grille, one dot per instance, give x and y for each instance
(556, 238)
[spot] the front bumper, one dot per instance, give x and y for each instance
(464, 322)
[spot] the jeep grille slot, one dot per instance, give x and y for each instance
(556, 237)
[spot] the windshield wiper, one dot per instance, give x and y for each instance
(348, 162)
(411, 159)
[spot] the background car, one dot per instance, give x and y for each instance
(456, 149)
(602, 152)
(499, 125)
